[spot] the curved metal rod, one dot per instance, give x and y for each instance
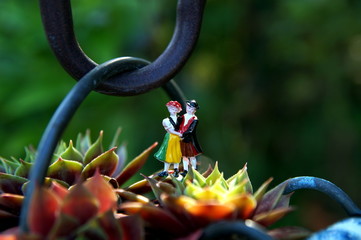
(58, 24)
(326, 187)
(221, 230)
(62, 116)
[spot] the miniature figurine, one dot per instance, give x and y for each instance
(189, 144)
(169, 152)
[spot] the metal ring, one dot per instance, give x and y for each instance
(58, 24)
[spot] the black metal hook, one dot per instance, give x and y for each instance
(325, 187)
(58, 23)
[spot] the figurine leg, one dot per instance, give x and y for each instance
(176, 171)
(185, 163)
(165, 171)
(193, 161)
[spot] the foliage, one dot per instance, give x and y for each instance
(278, 82)
(70, 165)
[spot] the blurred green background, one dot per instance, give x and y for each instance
(278, 83)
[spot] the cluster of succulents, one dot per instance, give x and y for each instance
(70, 164)
(85, 197)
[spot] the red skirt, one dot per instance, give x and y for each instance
(188, 150)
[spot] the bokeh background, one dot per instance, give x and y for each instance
(278, 82)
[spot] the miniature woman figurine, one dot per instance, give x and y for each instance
(189, 144)
(169, 152)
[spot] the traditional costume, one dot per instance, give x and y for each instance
(169, 151)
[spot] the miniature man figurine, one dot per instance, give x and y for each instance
(189, 144)
(169, 152)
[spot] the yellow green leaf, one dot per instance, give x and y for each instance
(65, 170)
(94, 150)
(23, 169)
(71, 153)
(106, 163)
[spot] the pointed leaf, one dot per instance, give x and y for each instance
(133, 228)
(83, 142)
(11, 184)
(59, 190)
(30, 153)
(240, 177)
(262, 189)
(129, 196)
(94, 150)
(159, 187)
(65, 170)
(71, 153)
(115, 141)
(80, 203)
(197, 178)
(122, 154)
(106, 163)
(23, 169)
(155, 216)
(214, 176)
(271, 199)
(135, 165)
(103, 191)
(43, 211)
(9, 165)
(63, 226)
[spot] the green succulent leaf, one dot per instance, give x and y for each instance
(240, 177)
(198, 178)
(29, 154)
(106, 163)
(135, 165)
(11, 183)
(71, 153)
(115, 141)
(262, 190)
(65, 170)
(9, 165)
(214, 176)
(23, 169)
(83, 142)
(94, 150)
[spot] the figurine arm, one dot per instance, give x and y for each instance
(169, 127)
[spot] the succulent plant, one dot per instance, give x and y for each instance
(70, 164)
(85, 211)
(184, 207)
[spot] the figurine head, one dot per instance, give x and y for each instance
(192, 106)
(174, 107)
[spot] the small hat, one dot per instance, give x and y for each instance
(192, 103)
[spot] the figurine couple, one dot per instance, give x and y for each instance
(180, 140)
